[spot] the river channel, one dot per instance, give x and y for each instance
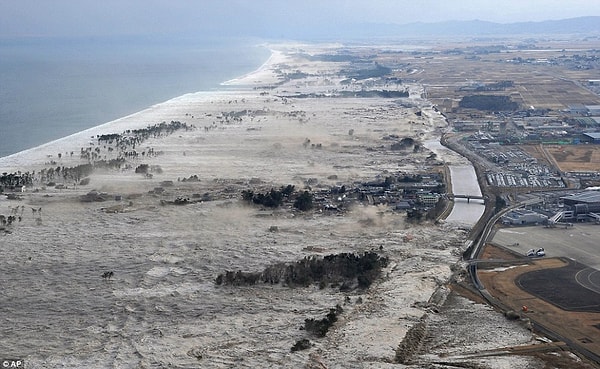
(464, 182)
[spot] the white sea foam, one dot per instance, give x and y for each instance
(263, 74)
(163, 308)
(173, 109)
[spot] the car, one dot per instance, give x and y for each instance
(539, 252)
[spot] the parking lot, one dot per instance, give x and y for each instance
(511, 166)
(579, 243)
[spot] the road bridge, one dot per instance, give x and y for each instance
(453, 196)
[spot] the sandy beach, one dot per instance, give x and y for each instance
(169, 218)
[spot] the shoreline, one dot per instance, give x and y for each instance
(218, 88)
(275, 57)
(16, 161)
(82, 138)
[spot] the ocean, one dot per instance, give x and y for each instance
(51, 88)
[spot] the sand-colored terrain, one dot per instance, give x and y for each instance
(162, 308)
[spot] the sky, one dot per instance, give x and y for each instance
(262, 18)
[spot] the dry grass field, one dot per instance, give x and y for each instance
(576, 157)
(567, 158)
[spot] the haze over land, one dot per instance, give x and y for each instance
(271, 19)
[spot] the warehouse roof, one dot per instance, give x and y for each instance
(593, 135)
(584, 197)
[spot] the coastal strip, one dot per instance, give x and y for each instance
(128, 228)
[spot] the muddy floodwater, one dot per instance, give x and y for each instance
(167, 234)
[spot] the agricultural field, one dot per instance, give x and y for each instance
(568, 158)
(545, 76)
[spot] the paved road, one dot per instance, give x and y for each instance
(580, 242)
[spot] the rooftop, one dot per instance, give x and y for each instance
(593, 135)
(586, 196)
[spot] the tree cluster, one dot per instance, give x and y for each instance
(336, 58)
(415, 215)
(496, 86)
(47, 175)
(378, 71)
(488, 103)
(386, 94)
(304, 201)
(296, 75)
(345, 270)
(53, 174)
(411, 178)
(275, 198)
(8, 220)
(302, 344)
(126, 142)
(160, 129)
(319, 327)
(109, 137)
(78, 172)
(129, 139)
(109, 164)
(18, 179)
(403, 144)
(271, 199)
(499, 204)
(192, 178)
(142, 169)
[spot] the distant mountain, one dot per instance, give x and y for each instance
(581, 25)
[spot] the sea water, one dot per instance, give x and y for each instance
(51, 88)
